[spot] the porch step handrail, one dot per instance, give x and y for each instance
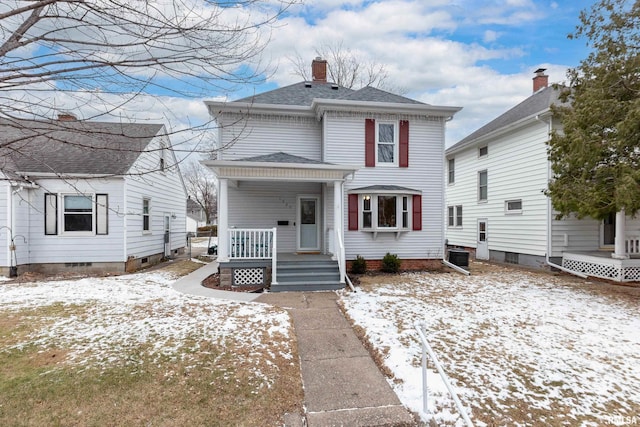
(340, 255)
(428, 351)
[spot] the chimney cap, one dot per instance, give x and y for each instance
(65, 116)
(540, 71)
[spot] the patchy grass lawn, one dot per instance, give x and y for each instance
(522, 348)
(129, 350)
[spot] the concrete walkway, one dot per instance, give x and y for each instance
(342, 384)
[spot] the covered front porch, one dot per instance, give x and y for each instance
(280, 222)
(621, 264)
(601, 264)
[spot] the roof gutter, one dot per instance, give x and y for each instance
(320, 105)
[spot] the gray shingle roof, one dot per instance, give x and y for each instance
(373, 94)
(281, 157)
(304, 93)
(72, 147)
(535, 104)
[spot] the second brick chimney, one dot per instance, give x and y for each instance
(541, 80)
(319, 70)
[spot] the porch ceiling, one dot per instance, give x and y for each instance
(279, 171)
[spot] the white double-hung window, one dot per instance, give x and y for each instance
(387, 143)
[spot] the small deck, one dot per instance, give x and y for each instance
(601, 264)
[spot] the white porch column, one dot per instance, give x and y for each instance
(338, 227)
(621, 235)
(223, 220)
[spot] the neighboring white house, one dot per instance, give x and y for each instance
(196, 216)
(318, 169)
(496, 206)
(87, 196)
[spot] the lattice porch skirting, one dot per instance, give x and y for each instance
(620, 270)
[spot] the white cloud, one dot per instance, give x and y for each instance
(490, 36)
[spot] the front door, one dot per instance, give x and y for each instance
(482, 248)
(308, 229)
(608, 231)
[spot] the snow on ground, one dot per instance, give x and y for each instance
(141, 311)
(521, 348)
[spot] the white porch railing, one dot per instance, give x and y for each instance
(254, 243)
(632, 245)
(428, 351)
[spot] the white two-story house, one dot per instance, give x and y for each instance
(496, 206)
(317, 173)
(84, 196)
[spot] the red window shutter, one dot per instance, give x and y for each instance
(369, 143)
(404, 143)
(353, 211)
(417, 212)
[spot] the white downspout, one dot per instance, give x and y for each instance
(444, 214)
(550, 214)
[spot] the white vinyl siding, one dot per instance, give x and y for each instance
(72, 247)
(517, 170)
(344, 137)
(242, 138)
(262, 204)
(168, 197)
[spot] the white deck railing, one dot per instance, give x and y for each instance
(427, 352)
(254, 243)
(251, 243)
(632, 245)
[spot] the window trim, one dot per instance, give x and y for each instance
(454, 216)
(147, 215)
(508, 211)
(480, 186)
(401, 198)
(63, 213)
(451, 171)
(396, 142)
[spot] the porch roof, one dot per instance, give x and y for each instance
(279, 167)
(382, 189)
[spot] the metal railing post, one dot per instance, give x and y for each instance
(274, 262)
(426, 349)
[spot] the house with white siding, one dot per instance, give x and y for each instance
(313, 174)
(496, 206)
(82, 196)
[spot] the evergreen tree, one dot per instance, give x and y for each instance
(595, 157)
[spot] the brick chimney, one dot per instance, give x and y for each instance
(67, 117)
(319, 70)
(541, 80)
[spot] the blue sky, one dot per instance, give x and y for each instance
(478, 55)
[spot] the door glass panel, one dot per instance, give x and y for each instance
(482, 231)
(308, 211)
(308, 224)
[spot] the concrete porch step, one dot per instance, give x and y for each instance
(307, 275)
